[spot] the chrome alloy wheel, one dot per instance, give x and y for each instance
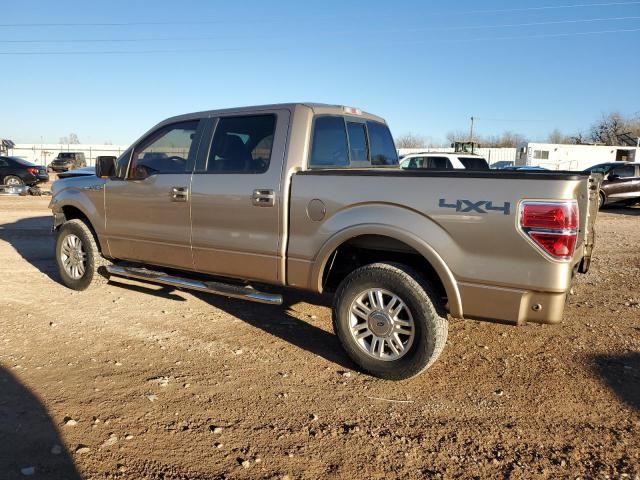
(381, 324)
(73, 256)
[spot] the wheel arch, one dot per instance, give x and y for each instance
(72, 212)
(388, 243)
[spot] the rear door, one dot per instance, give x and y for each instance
(237, 206)
(622, 182)
(147, 211)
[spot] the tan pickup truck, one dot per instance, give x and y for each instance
(310, 196)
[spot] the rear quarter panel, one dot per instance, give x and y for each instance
(477, 247)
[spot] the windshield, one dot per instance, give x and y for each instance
(65, 156)
(599, 169)
(474, 163)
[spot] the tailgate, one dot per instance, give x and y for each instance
(590, 203)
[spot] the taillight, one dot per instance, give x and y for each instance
(551, 226)
(32, 170)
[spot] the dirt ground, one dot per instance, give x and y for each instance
(136, 381)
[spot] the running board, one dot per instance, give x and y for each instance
(217, 288)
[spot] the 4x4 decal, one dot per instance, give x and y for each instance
(482, 206)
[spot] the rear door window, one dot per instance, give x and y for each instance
(474, 163)
(242, 144)
(439, 162)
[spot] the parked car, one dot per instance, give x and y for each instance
(621, 182)
(68, 161)
(501, 164)
(310, 196)
(17, 171)
(521, 168)
(434, 160)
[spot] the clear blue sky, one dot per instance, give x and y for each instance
(121, 66)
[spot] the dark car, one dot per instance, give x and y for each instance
(621, 182)
(68, 161)
(17, 171)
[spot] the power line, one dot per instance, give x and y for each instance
(205, 50)
(554, 7)
(528, 24)
(217, 21)
(216, 37)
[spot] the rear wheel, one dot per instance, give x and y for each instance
(389, 320)
(13, 180)
(80, 263)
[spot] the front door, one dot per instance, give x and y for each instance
(236, 198)
(147, 211)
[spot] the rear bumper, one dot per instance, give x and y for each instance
(508, 305)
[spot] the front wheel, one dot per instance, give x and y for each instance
(80, 263)
(389, 320)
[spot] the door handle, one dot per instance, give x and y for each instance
(263, 198)
(179, 194)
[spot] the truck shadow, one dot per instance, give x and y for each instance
(621, 210)
(33, 240)
(276, 320)
(30, 444)
(280, 322)
(621, 373)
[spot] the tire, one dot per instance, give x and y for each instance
(12, 180)
(75, 235)
(602, 200)
(422, 310)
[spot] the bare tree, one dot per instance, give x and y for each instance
(512, 140)
(556, 136)
(71, 139)
(457, 136)
(610, 128)
(410, 140)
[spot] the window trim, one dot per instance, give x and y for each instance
(358, 164)
(190, 161)
(203, 162)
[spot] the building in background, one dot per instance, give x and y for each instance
(556, 156)
(43, 154)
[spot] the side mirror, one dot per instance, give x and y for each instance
(105, 166)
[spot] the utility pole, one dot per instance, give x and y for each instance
(471, 130)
